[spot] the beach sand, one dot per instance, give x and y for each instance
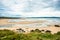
(51, 27)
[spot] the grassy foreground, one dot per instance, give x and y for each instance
(33, 35)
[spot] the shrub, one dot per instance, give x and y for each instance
(58, 33)
(48, 31)
(32, 31)
(20, 30)
(42, 30)
(37, 30)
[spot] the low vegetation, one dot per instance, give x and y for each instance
(33, 35)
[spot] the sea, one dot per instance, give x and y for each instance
(48, 21)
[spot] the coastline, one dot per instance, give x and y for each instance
(27, 29)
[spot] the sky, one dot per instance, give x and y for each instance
(29, 8)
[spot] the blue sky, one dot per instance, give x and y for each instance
(30, 8)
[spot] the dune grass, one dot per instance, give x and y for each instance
(33, 35)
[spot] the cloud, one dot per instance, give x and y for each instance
(36, 5)
(30, 8)
(56, 5)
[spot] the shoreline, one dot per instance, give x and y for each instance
(29, 26)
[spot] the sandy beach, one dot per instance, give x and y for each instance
(27, 25)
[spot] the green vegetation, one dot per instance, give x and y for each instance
(33, 35)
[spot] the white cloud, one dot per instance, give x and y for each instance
(48, 12)
(31, 8)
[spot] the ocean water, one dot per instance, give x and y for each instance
(47, 21)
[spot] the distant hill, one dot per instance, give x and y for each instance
(24, 17)
(9, 17)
